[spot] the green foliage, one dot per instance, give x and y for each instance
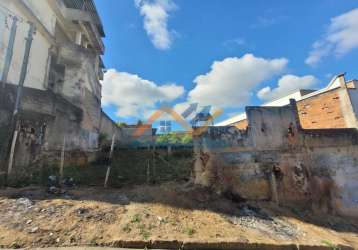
(187, 139)
(162, 139)
(102, 137)
(122, 124)
(142, 231)
(136, 218)
(139, 123)
(174, 139)
(331, 245)
(189, 231)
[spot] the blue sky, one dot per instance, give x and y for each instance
(227, 53)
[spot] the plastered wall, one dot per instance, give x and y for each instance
(39, 53)
(315, 169)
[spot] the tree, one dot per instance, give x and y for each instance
(186, 139)
(139, 123)
(162, 139)
(173, 139)
(122, 124)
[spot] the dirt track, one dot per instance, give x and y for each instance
(166, 216)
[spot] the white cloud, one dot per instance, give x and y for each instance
(156, 14)
(340, 38)
(286, 84)
(230, 82)
(134, 96)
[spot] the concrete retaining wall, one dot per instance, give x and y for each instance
(274, 159)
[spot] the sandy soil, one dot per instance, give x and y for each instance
(31, 217)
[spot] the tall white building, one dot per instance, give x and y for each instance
(61, 98)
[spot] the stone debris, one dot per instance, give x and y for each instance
(105, 215)
(253, 217)
(34, 229)
(25, 202)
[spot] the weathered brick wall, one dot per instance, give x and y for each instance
(321, 111)
(318, 112)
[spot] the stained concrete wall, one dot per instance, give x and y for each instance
(137, 137)
(108, 127)
(81, 67)
(80, 84)
(45, 120)
(269, 126)
(315, 168)
(353, 94)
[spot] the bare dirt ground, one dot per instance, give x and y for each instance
(171, 215)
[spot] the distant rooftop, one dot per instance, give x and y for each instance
(298, 94)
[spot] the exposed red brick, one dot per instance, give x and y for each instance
(241, 124)
(321, 111)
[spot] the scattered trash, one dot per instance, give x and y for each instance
(82, 210)
(55, 190)
(52, 181)
(69, 182)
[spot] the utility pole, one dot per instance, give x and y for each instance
(25, 63)
(8, 57)
(14, 118)
(62, 160)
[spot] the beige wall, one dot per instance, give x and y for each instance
(39, 56)
(308, 168)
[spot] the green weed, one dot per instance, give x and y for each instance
(331, 245)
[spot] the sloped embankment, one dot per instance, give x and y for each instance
(170, 215)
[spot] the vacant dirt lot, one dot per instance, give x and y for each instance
(169, 216)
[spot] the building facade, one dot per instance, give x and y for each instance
(61, 96)
(335, 106)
